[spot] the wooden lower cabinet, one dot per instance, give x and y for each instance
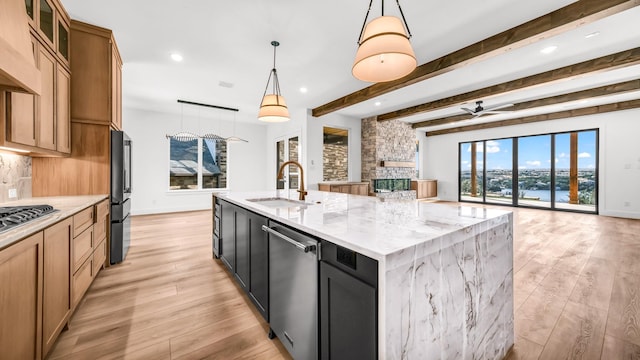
(57, 292)
(353, 188)
(21, 277)
(425, 188)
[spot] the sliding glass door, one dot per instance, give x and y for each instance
(551, 171)
(534, 171)
(499, 164)
(471, 171)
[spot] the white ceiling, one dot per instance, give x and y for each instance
(230, 42)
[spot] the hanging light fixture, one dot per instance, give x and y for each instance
(234, 138)
(182, 135)
(273, 107)
(384, 51)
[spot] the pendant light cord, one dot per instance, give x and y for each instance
(403, 18)
(274, 73)
(364, 23)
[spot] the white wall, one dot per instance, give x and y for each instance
(315, 155)
(150, 162)
(309, 129)
(619, 161)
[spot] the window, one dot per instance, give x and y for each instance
(287, 150)
(197, 164)
(335, 154)
(553, 171)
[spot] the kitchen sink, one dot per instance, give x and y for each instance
(278, 202)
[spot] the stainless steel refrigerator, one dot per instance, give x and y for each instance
(120, 196)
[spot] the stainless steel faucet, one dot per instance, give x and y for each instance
(281, 176)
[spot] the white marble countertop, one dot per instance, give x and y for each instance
(66, 206)
(371, 226)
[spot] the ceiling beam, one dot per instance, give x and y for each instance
(600, 109)
(613, 89)
(580, 13)
(601, 64)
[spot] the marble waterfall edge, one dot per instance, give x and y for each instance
(452, 297)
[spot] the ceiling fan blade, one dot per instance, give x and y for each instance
(497, 111)
(496, 107)
(471, 112)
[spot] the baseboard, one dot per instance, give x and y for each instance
(152, 211)
(620, 214)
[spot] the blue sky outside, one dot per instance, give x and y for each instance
(534, 152)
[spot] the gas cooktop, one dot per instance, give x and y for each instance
(13, 216)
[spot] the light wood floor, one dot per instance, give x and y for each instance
(577, 294)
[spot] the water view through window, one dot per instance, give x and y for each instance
(553, 171)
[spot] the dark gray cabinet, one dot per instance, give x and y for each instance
(244, 249)
(259, 263)
(228, 234)
(348, 305)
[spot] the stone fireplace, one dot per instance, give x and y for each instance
(388, 153)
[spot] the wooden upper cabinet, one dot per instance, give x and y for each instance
(47, 21)
(96, 95)
(46, 119)
(63, 115)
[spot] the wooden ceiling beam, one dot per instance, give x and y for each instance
(601, 64)
(600, 109)
(613, 89)
(580, 13)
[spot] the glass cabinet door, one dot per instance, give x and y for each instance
(46, 19)
(63, 40)
(30, 9)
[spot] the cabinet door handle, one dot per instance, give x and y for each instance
(299, 245)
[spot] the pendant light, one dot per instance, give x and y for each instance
(384, 51)
(234, 138)
(273, 107)
(182, 135)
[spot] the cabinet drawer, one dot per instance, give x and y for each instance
(99, 256)
(82, 220)
(351, 262)
(82, 248)
(82, 279)
(102, 210)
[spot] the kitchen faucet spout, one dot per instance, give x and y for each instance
(281, 176)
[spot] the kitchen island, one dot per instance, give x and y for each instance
(444, 271)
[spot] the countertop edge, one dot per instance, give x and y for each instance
(66, 205)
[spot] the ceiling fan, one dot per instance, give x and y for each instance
(479, 110)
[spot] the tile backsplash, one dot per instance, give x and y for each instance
(15, 173)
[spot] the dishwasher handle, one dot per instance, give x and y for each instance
(299, 245)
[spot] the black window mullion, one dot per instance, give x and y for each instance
(552, 169)
(484, 172)
(514, 178)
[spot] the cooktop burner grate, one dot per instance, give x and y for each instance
(13, 216)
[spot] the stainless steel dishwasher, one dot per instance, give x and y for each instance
(293, 290)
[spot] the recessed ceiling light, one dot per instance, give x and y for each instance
(549, 49)
(176, 57)
(593, 34)
(377, 103)
(303, 90)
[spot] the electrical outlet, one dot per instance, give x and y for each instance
(627, 204)
(13, 193)
(627, 166)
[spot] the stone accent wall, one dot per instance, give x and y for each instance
(391, 140)
(335, 164)
(15, 171)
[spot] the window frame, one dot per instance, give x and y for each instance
(200, 181)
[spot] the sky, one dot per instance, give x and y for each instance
(534, 152)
